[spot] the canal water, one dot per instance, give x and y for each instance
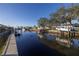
(28, 44)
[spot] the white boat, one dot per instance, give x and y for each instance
(17, 32)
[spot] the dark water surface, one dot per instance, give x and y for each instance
(29, 45)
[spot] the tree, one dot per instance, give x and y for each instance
(43, 22)
(72, 12)
(35, 27)
(58, 16)
(62, 15)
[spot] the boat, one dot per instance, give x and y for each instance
(17, 32)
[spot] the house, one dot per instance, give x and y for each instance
(75, 22)
(65, 27)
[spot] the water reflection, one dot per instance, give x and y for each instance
(29, 45)
(50, 37)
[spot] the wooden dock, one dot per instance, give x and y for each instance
(11, 47)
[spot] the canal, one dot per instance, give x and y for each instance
(29, 45)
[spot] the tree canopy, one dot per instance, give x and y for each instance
(62, 15)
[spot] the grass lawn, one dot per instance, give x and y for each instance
(1, 49)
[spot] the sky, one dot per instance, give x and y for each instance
(26, 14)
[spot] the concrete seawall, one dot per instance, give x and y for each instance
(11, 47)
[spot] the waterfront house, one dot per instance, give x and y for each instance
(64, 27)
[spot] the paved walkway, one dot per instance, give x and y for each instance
(11, 48)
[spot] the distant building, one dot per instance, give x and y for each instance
(75, 22)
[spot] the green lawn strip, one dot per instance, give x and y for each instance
(3, 46)
(1, 49)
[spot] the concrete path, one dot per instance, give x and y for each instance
(11, 48)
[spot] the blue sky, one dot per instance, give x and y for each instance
(26, 14)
